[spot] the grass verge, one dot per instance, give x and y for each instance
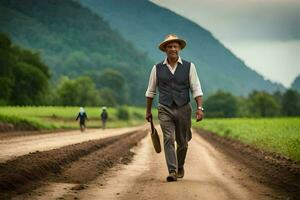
(280, 135)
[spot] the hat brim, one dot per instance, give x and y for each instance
(162, 46)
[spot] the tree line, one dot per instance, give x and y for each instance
(25, 80)
(256, 104)
(109, 90)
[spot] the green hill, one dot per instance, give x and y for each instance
(74, 41)
(145, 24)
(86, 37)
(296, 83)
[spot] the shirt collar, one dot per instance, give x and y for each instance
(166, 60)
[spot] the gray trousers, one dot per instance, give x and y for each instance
(175, 123)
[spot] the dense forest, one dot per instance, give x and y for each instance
(73, 42)
(24, 80)
(23, 77)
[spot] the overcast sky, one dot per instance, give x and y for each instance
(263, 33)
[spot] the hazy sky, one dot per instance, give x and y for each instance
(263, 33)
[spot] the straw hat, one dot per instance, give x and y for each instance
(171, 38)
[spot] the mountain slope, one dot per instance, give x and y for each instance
(146, 24)
(74, 41)
(296, 83)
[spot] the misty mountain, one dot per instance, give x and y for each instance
(296, 83)
(145, 24)
(86, 37)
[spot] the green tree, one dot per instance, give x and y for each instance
(67, 93)
(23, 76)
(115, 82)
(78, 92)
(6, 75)
(79, 62)
(31, 85)
(243, 107)
(263, 104)
(123, 113)
(107, 97)
(31, 58)
(278, 96)
(221, 104)
(291, 103)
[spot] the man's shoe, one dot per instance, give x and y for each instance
(180, 173)
(172, 176)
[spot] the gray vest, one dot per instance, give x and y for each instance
(173, 89)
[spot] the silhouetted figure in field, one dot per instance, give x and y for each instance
(82, 117)
(104, 117)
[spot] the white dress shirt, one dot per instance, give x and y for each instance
(195, 85)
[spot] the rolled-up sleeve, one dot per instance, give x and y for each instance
(151, 90)
(195, 82)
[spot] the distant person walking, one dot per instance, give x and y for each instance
(104, 117)
(174, 78)
(82, 117)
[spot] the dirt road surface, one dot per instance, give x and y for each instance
(210, 174)
(21, 145)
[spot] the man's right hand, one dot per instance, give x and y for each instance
(199, 115)
(148, 109)
(148, 116)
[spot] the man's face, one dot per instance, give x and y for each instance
(172, 49)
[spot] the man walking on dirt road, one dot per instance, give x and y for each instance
(104, 117)
(174, 78)
(82, 117)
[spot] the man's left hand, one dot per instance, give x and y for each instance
(199, 115)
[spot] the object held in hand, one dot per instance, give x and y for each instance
(155, 138)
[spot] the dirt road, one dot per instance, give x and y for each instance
(210, 174)
(21, 145)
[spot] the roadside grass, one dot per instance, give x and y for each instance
(53, 117)
(280, 135)
(22, 122)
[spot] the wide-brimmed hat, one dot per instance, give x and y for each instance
(171, 38)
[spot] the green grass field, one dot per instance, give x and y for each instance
(64, 117)
(281, 135)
